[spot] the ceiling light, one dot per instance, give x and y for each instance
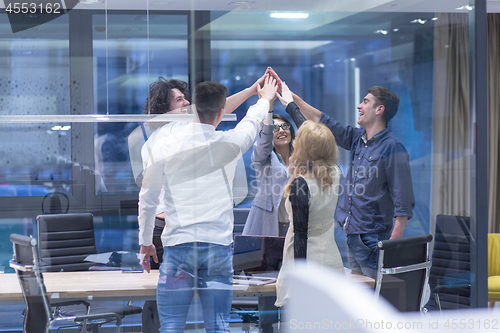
(383, 32)
(418, 21)
(434, 19)
(395, 29)
(289, 15)
(465, 7)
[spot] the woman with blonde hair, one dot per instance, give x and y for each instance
(312, 194)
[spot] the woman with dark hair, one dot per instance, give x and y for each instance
(270, 160)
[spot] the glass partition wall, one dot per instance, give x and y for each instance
(99, 59)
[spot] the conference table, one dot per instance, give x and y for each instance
(118, 285)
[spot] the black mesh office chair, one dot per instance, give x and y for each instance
(40, 315)
(450, 276)
(65, 240)
(408, 260)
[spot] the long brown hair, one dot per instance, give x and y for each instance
(315, 155)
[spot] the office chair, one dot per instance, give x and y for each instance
(65, 240)
(40, 315)
(493, 269)
(450, 277)
(408, 259)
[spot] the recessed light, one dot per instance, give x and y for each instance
(421, 21)
(395, 29)
(465, 7)
(289, 15)
(383, 32)
(434, 19)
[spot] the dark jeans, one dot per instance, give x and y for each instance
(362, 251)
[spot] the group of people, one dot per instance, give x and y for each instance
(186, 195)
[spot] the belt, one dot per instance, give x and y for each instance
(160, 222)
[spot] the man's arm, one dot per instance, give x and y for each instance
(234, 101)
(400, 187)
(309, 112)
(148, 201)
(245, 131)
(399, 227)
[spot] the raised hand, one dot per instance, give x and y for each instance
(258, 84)
(286, 95)
(269, 89)
(271, 72)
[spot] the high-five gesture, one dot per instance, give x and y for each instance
(269, 89)
(271, 72)
(286, 94)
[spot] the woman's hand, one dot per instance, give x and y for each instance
(286, 95)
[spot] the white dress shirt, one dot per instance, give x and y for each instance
(161, 132)
(196, 168)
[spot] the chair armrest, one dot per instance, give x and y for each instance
(57, 306)
(107, 315)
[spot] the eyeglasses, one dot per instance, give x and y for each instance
(284, 127)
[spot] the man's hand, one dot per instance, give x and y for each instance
(268, 91)
(399, 227)
(286, 94)
(258, 84)
(145, 253)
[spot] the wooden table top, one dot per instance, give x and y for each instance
(103, 284)
(117, 284)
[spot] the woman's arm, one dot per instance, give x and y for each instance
(299, 198)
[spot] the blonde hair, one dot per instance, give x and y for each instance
(315, 155)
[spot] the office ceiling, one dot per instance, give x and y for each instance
(288, 5)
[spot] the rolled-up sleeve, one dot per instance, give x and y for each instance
(397, 167)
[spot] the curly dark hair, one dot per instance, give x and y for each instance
(160, 95)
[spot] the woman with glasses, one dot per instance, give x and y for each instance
(270, 160)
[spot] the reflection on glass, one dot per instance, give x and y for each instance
(128, 55)
(35, 80)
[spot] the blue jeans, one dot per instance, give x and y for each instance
(362, 252)
(206, 267)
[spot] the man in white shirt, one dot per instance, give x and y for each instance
(196, 168)
(171, 97)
